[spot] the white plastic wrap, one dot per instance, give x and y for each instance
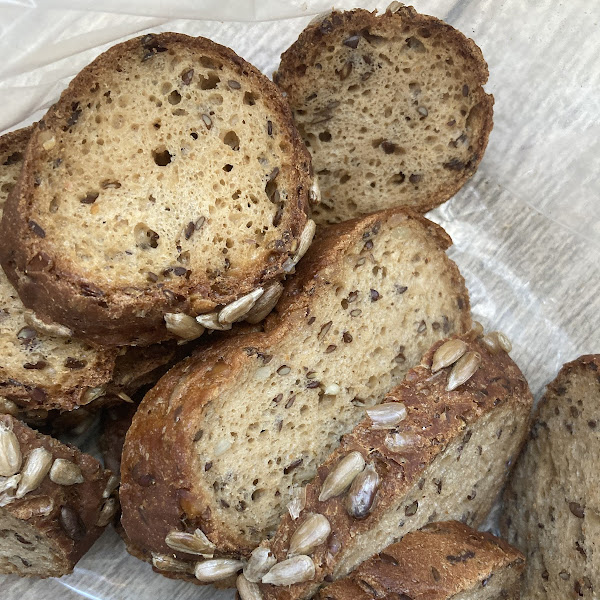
(526, 229)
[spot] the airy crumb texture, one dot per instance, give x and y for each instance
(168, 178)
(441, 561)
(391, 108)
(446, 460)
(45, 531)
(225, 437)
(552, 502)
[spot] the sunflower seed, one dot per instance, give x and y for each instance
(221, 447)
(320, 17)
(164, 562)
(207, 121)
(217, 569)
(211, 321)
(260, 562)
(503, 341)
(342, 475)
(240, 308)
(125, 397)
(312, 533)
(463, 370)
(107, 512)
(394, 7)
(297, 503)
(396, 442)
(65, 472)
(293, 570)
(247, 590)
(91, 394)
(306, 238)
(265, 304)
(447, 354)
(490, 343)
(8, 407)
(52, 329)
(387, 416)
(183, 326)
(111, 485)
(10, 452)
(36, 468)
(476, 330)
(191, 543)
(9, 483)
(314, 194)
(332, 390)
(363, 490)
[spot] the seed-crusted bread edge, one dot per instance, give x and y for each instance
(108, 317)
(436, 562)
(314, 38)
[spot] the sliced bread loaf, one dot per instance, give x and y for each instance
(391, 107)
(439, 562)
(438, 448)
(54, 502)
(224, 438)
(167, 180)
(552, 502)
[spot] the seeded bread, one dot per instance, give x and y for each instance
(439, 562)
(224, 438)
(444, 456)
(391, 107)
(552, 503)
(168, 179)
(54, 502)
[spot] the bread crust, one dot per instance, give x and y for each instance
(444, 416)
(54, 288)
(318, 36)
(84, 498)
(433, 563)
(155, 454)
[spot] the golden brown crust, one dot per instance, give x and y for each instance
(443, 416)
(84, 499)
(171, 413)
(434, 563)
(53, 287)
(316, 38)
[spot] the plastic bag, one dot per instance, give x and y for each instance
(526, 228)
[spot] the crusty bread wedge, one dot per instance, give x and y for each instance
(54, 502)
(438, 448)
(391, 107)
(167, 180)
(442, 561)
(224, 438)
(552, 503)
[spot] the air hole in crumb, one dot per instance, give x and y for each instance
(325, 136)
(145, 237)
(209, 82)
(227, 168)
(232, 140)
(249, 99)
(397, 179)
(257, 494)
(174, 97)
(161, 157)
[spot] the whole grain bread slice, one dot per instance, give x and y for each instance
(391, 107)
(224, 438)
(437, 455)
(439, 562)
(54, 502)
(168, 179)
(552, 502)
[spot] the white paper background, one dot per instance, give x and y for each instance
(526, 228)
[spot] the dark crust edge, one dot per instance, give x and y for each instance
(497, 382)
(419, 553)
(55, 292)
(314, 38)
(85, 498)
(188, 388)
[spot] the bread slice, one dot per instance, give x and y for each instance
(224, 438)
(391, 107)
(54, 502)
(552, 505)
(439, 562)
(444, 456)
(168, 179)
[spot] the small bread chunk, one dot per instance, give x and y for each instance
(169, 179)
(439, 562)
(225, 438)
(552, 501)
(445, 457)
(391, 107)
(54, 502)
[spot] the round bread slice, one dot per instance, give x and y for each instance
(442, 561)
(222, 441)
(552, 503)
(168, 179)
(391, 107)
